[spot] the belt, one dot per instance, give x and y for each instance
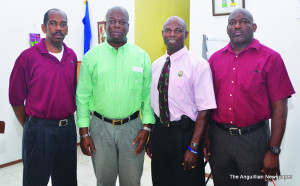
(118, 121)
(170, 124)
(52, 122)
(233, 130)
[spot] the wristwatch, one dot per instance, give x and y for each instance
(83, 136)
(147, 129)
(275, 150)
(193, 144)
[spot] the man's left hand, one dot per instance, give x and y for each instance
(190, 160)
(142, 137)
(271, 164)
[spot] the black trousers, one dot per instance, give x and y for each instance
(168, 147)
(238, 160)
(49, 150)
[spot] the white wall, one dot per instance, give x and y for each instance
(19, 18)
(279, 29)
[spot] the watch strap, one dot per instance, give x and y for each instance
(275, 150)
(83, 136)
(147, 129)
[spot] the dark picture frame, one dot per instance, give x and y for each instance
(225, 7)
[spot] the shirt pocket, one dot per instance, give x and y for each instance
(254, 82)
(135, 80)
(178, 88)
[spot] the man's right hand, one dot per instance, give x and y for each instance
(148, 147)
(87, 146)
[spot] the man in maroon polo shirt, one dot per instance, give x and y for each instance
(44, 77)
(251, 86)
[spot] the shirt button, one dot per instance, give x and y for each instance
(230, 94)
(236, 56)
(229, 108)
(232, 81)
(233, 68)
(230, 121)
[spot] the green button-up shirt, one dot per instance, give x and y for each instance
(114, 83)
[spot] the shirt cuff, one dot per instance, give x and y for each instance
(16, 103)
(148, 119)
(83, 122)
(207, 107)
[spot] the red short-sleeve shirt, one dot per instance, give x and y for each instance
(247, 83)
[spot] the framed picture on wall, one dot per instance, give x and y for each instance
(101, 32)
(225, 7)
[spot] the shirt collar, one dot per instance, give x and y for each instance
(177, 54)
(254, 44)
(122, 48)
(43, 49)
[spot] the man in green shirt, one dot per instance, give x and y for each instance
(114, 83)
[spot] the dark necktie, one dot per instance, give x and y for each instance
(163, 85)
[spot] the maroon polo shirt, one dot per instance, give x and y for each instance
(247, 83)
(46, 85)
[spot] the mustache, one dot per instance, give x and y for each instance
(59, 33)
(238, 31)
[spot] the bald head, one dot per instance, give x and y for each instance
(243, 11)
(117, 9)
(179, 20)
(117, 26)
(240, 29)
(174, 33)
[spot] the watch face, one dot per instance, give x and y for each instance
(275, 150)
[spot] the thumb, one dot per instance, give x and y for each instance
(92, 146)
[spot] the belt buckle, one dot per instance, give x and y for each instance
(61, 123)
(234, 129)
(117, 120)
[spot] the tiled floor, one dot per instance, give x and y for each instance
(12, 175)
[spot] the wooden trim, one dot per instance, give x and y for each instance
(10, 163)
(2, 126)
(78, 69)
(207, 174)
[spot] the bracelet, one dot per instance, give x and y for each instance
(195, 152)
(83, 136)
(147, 129)
(194, 144)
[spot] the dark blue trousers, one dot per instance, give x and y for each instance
(49, 150)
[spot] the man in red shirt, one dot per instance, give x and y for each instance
(42, 94)
(251, 86)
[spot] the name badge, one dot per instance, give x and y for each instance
(137, 69)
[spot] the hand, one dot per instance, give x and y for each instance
(271, 165)
(142, 138)
(148, 147)
(190, 159)
(87, 145)
(206, 147)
